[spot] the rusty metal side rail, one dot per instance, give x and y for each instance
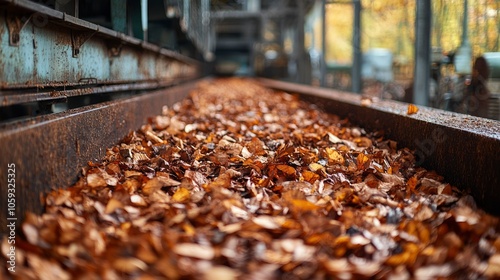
(462, 148)
(49, 151)
(58, 92)
(44, 48)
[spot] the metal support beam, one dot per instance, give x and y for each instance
(144, 19)
(422, 53)
(323, 44)
(138, 19)
(356, 82)
(303, 63)
(463, 57)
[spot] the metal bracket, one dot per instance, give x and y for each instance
(16, 23)
(115, 48)
(78, 38)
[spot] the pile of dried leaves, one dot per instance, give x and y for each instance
(241, 182)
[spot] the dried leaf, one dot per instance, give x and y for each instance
(362, 160)
(266, 222)
(315, 167)
(182, 195)
(221, 273)
(303, 205)
(129, 265)
(112, 205)
(194, 251)
(310, 176)
(412, 109)
(493, 269)
(286, 169)
(138, 200)
(334, 156)
(95, 180)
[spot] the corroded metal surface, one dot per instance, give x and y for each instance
(50, 151)
(464, 149)
(54, 49)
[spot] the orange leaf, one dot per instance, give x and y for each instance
(362, 159)
(303, 205)
(286, 169)
(412, 183)
(412, 109)
(334, 156)
(310, 176)
(223, 181)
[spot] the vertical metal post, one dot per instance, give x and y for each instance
(356, 82)
(323, 45)
(422, 53)
(205, 29)
(185, 14)
(144, 19)
(463, 57)
(465, 22)
(135, 19)
(303, 69)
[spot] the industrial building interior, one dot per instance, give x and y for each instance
(249, 139)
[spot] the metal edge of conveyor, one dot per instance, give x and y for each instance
(462, 148)
(50, 151)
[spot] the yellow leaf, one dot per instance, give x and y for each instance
(181, 195)
(112, 205)
(362, 159)
(315, 167)
(398, 259)
(334, 156)
(189, 229)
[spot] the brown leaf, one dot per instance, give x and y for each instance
(194, 251)
(129, 265)
(221, 273)
(95, 180)
(310, 176)
(288, 170)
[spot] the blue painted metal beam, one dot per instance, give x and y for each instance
(46, 53)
